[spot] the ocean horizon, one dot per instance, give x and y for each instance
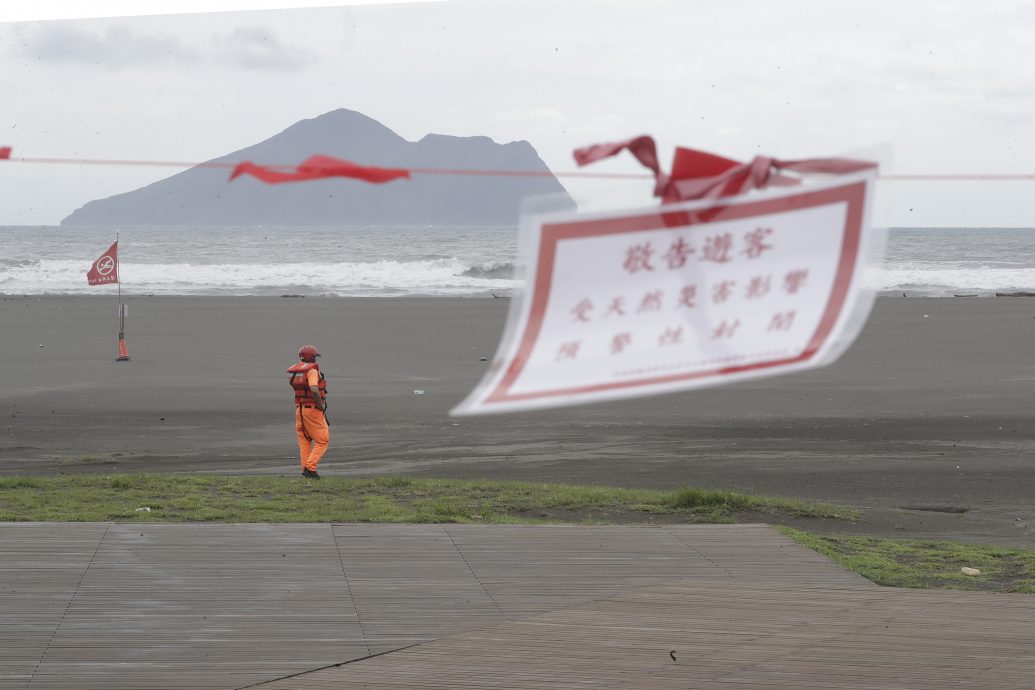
(387, 261)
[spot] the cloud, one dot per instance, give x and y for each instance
(257, 48)
(116, 47)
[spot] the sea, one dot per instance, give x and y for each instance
(425, 260)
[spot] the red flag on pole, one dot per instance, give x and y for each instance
(5, 152)
(106, 268)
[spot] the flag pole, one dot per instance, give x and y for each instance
(123, 352)
(118, 284)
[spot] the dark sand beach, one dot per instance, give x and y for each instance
(926, 424)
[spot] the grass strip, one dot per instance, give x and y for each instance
(172, 498)
(927, 564)
(217, 498)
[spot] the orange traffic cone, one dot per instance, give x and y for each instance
(123, 350)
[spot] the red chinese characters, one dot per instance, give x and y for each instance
(729, 292)
(580, 312)
(650, 302)
(637, 258)
(718, 248)
(755, 241)
(568, 350)
(726, 329)
(722, 291)
(678, 253)
(671, 336)
(758, 287)
(620, 341)
(794, 280)
(781, 321)
(617, 307)
(687, 296)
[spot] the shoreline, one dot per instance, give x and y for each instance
(929, 410)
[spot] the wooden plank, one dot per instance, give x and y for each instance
(225, 606)
(41, 567)
(727, 635)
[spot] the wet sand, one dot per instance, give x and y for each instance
(927, 424)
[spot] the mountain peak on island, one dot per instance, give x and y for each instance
(205, 196)
(342, 119)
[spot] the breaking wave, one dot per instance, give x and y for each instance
(941, 280)
(449, 276)
(424, 260)
(491, 271)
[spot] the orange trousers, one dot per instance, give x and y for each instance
(313, 435)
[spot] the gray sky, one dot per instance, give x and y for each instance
(949, 85)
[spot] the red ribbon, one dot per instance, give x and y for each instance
(5, 152)
(703, 175)
(317, 167)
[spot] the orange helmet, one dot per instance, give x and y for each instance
(308, 353)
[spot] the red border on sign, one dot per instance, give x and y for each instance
(854, 195)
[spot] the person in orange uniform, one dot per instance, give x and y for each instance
(311, 425)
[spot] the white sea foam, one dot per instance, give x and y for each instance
(388, 261)
(431, 277)
(949, 279)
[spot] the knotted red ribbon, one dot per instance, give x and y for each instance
(702, 175)
(317, 167)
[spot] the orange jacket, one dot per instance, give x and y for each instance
(298, 377)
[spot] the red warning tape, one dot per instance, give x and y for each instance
(287, 168)
(5, 154)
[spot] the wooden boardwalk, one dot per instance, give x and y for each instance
(447, 606)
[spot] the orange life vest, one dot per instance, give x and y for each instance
(299, 380)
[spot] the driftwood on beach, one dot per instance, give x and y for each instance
(1015, 294)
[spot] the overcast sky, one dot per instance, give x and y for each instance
(948, 85)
